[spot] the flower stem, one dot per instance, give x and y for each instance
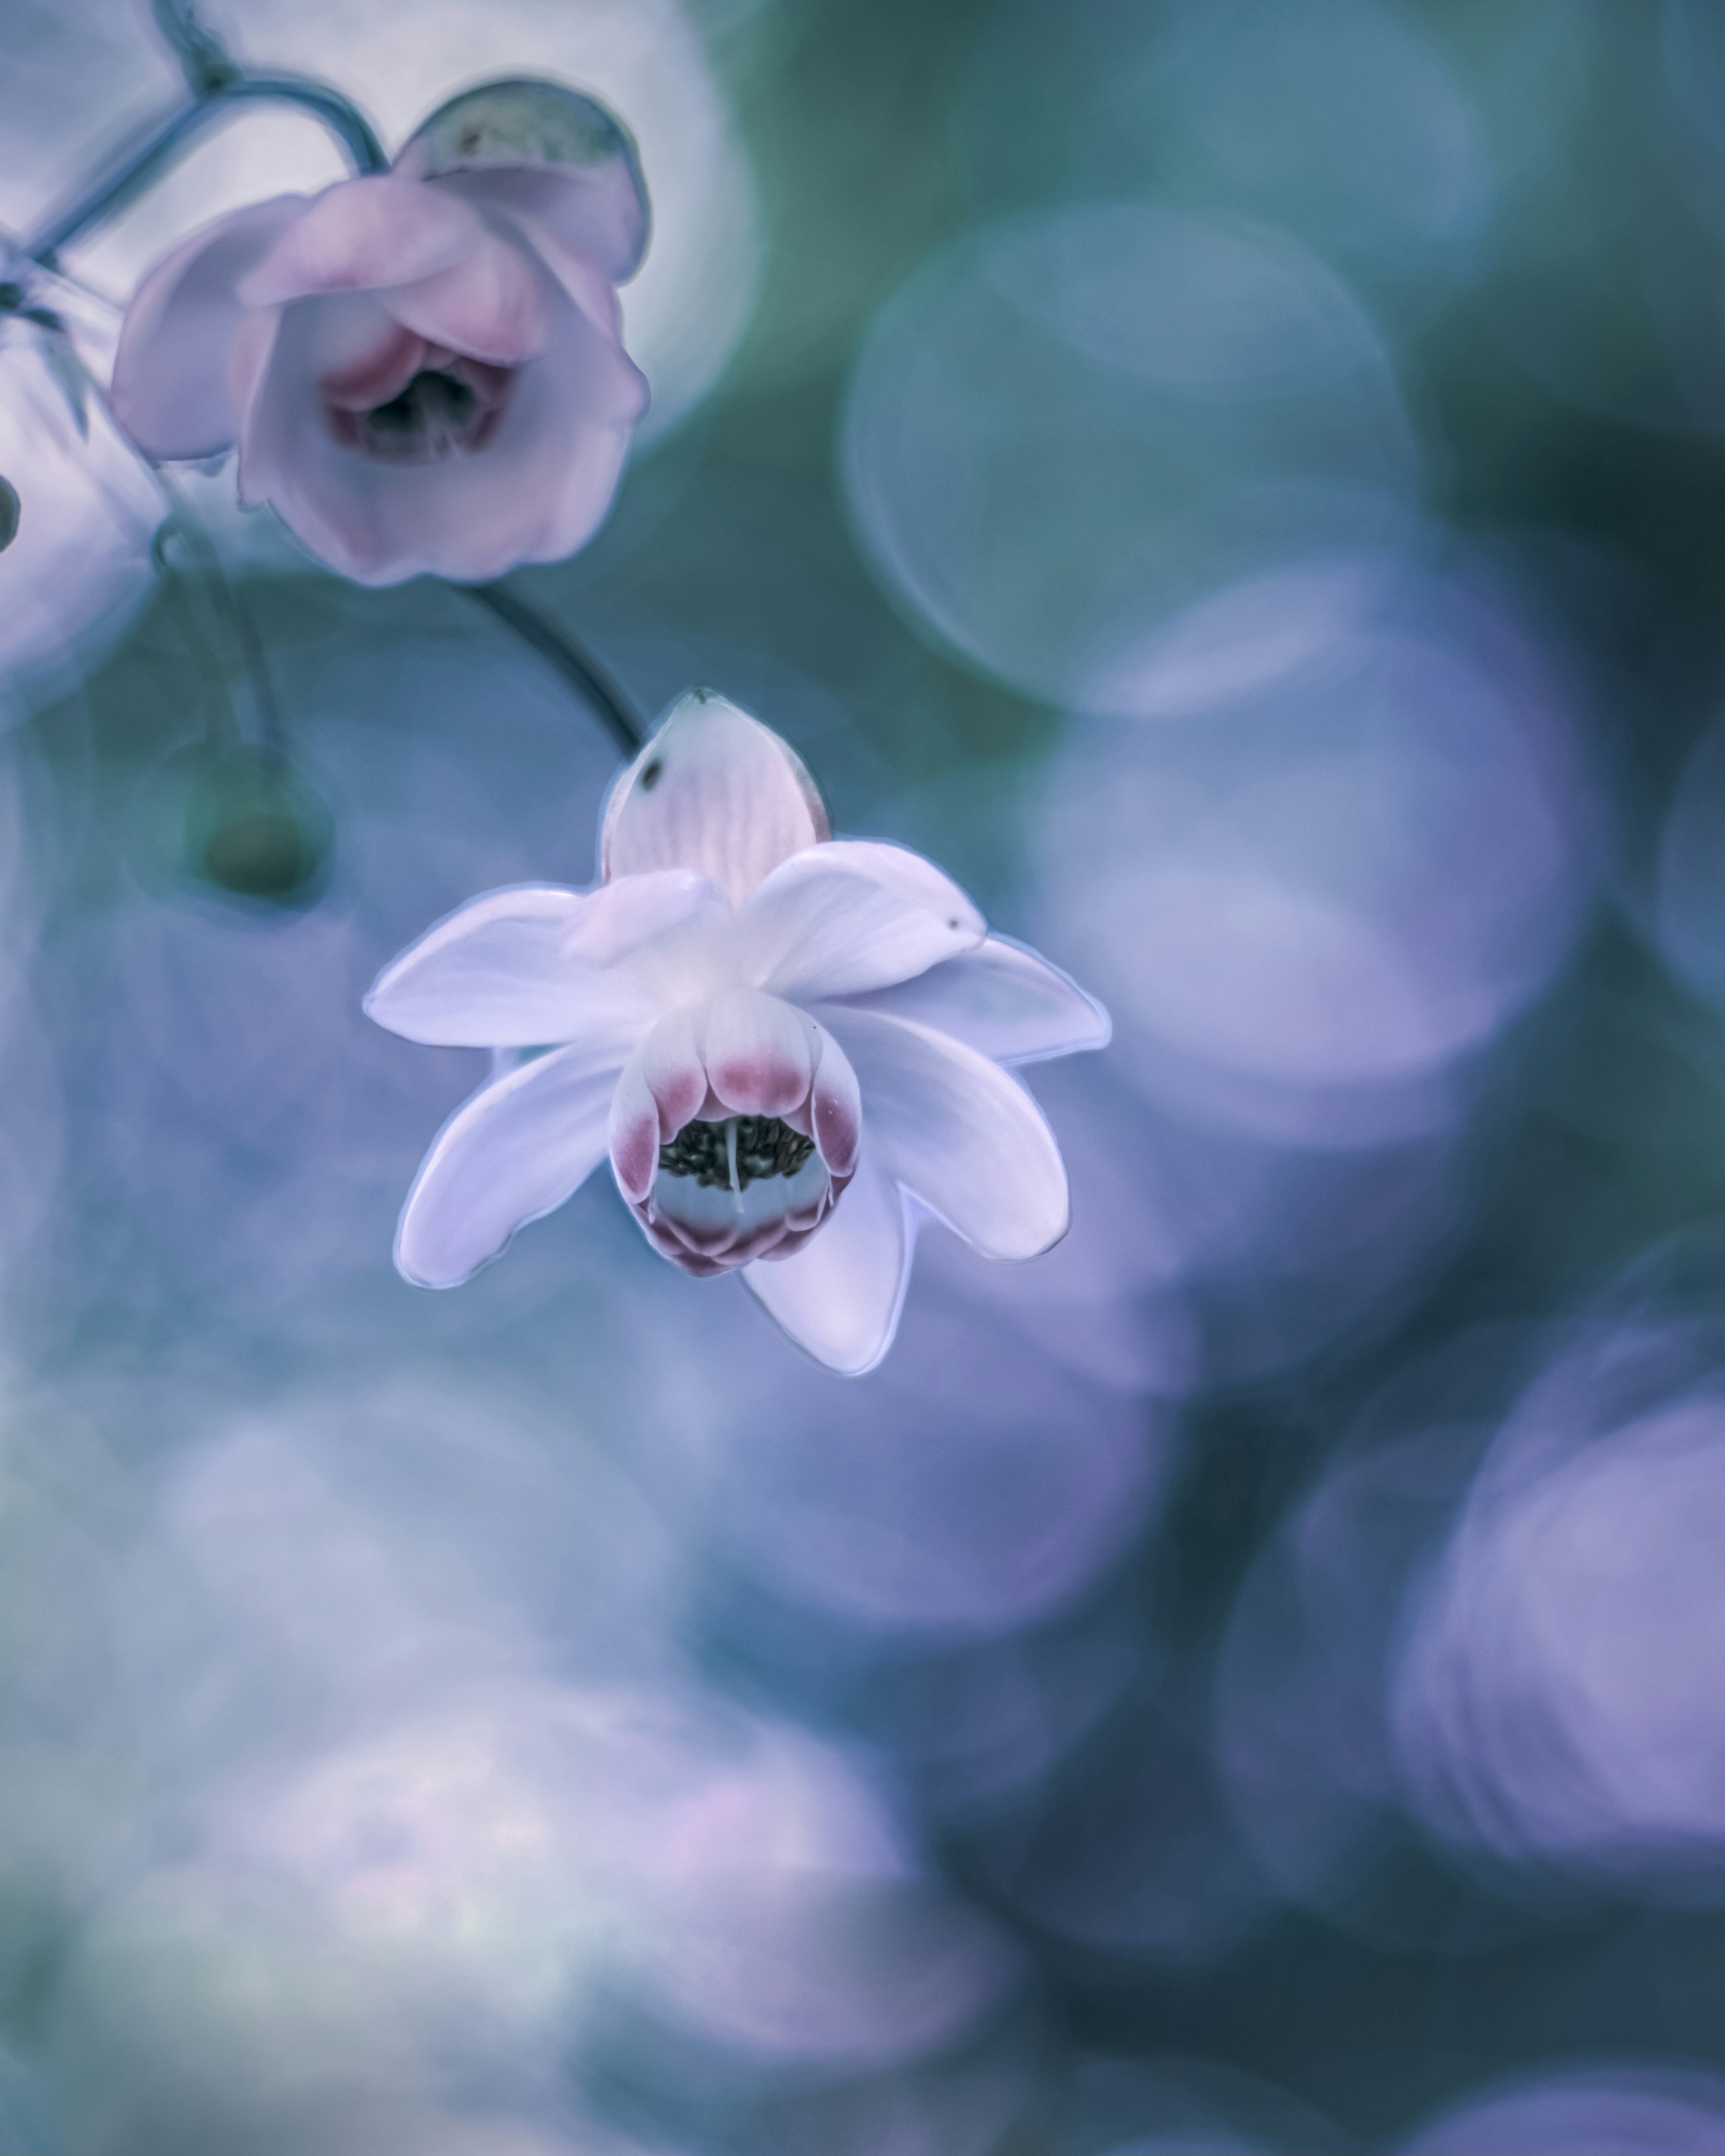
(562, 652)
(149, 152)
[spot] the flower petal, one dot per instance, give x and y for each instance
(760, 1053)
(713, 790)
(1001, 999)
(516, 1150)
(537, 490)
(571, 217)
(839, 1297)
(910, 876)
(365, 235)
(815, 929)
(525, 966)
(491, 304)
(957, 1132)
(835, 1106)
(171, 390)
(662, 1085)
(561, 153)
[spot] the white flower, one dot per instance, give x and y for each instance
(790, 1044)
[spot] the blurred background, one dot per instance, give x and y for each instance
(1238, 483)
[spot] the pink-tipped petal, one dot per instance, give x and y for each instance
(632, 1132)
(713, 790)
(835, 1107)
(912, 875)
(675, 1071)
(838, 1296)
(517, 1149)
(492, 305)
(1005, 1001)
(957, 1132)
(498, 972)
(814, 929)
(173, 389)
(364, 235)
(760, 1053)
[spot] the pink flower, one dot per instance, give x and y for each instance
(789, 1046)
(422, 370)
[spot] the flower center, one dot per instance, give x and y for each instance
(731, 1155)
(438, 415)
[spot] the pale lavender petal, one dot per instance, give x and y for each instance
(957, 1132)
(910, 876)
(839, 1297)
(492, 305)
(518, 1149)
(815, 929)
(760, 1053)
(364, 235)
(173, 390)
(713, 790)
(537, 489)
(662, 1085)
(835, 1106)
(507, 970)
(1001, 999)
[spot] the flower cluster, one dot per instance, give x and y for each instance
(789, 1046)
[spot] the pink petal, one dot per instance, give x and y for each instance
(1001, 999)
(713, 790)
(171, 390)
(815, 929)
(598, 216)
(538, 489)
(366, 235)
(517, 1149)
(357, 380)
(492, 305)
(838, 1296)
(760, 1053)
(910, 876)
(664, 1084)
(957, 1132)
(835, 1108)
(510, 970)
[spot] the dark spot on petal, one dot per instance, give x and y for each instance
(953, 922)
(650, 774)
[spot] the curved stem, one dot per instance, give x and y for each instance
(149, 151)
(601, 692)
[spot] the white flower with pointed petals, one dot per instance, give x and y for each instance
(790, 1046)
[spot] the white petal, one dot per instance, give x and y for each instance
(525, 966)
(760, 1053)
(957, 1132)
(840, 1296)
(1001, 999)
(663, 1084)
(517, 1149)
(172, 389)
(491, 305)
(713, 790)
(814, 929)
(912, 875)
(835, 1106)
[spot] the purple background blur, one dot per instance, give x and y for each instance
(1238, 484)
